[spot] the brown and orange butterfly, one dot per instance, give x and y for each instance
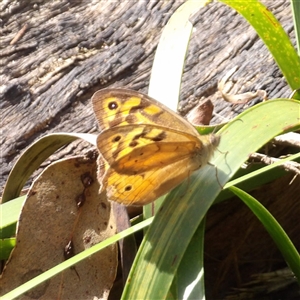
(145, 148)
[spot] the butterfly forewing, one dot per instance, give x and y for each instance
(119, 107)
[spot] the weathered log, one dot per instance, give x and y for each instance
(71, 49)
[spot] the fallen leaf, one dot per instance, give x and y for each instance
(63, 215)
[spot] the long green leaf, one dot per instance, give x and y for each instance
(32, 158)
(170, 55)
(6, 246)
(190, 273)
(277, 233)
(181, 213)
(169, 62)
(295, 4)
(275, 38)
(10, 212)
(261, 171)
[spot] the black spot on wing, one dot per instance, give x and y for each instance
(161, 136)
(113, 105)
(136, 108)
(128, 188)
(141, 135)
(133, 144)
(116, 139)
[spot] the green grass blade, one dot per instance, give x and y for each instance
(190, 273)
(261, 171)
(10, 212)
(275, 38)
(281, 239)
(170, 55)
(6, 246)
(255, 176)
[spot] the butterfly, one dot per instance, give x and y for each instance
(145, 148)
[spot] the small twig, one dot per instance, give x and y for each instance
(239, 98)
(288, 166)
(19, 35)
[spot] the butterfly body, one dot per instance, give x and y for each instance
(145, 148)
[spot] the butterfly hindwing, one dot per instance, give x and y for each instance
(137, 148)
(145, 187)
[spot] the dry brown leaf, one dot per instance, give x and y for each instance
(63, 208)
(201, 114)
